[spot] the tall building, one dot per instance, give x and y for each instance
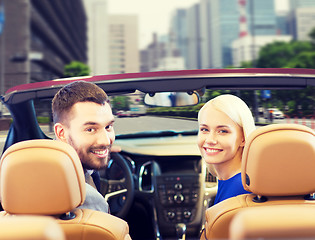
(39, 38)
(123, 44)
(282, 24)
(151, 56)
(98, 50)
(262, 19)
(161, 55)
(210, 29)
(294, 4)
(179, 30)
(304, 23)
(193, 37)
(301, 18)
(223, 21)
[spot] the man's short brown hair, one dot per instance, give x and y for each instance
(72, 93)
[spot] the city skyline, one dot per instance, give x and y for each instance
(155, 16)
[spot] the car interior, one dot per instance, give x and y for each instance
(158, 186)
(30, 227)
(51, 183)
(282, 151)
(274, 222)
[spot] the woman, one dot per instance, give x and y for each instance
(224, 125)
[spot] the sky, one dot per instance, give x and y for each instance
(154, 15)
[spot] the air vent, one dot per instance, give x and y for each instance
(146, 178)
(210, 180)
(210, 177)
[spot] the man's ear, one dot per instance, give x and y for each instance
(242, 143)
(60, 132)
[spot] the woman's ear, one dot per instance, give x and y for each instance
(60, 132)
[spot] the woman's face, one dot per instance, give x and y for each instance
(219, 137)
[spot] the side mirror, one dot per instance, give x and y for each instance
(171, 99)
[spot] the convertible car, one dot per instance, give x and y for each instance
(158, 183)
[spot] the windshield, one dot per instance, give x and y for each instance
(123, 36)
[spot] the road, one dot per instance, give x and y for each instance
(127, 125)
(149, 123)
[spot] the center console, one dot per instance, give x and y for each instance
(177, 197)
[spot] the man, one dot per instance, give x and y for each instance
(83, 118)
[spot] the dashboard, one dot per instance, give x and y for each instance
(170, 174)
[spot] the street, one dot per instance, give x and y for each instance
(150, 123)
(133, 125)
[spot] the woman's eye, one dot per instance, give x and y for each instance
(223, 131)
(203, 130)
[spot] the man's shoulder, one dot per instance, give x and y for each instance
(94, 200)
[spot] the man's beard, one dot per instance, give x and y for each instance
(86, 160)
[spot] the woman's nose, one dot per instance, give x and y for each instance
(211, 139)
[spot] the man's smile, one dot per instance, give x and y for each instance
(100, 153)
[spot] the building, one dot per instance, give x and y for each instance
(193, 38)
(151, 56)
(39, 38)
(301, 22)
(243, 50)
(294, 4)
(123, 44)
(178, 29)
(98, 49)
(282, 24)
(261, 17)
(301, 18)
(304, 23)
(211, 30)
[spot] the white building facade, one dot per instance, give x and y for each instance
(97, 15)
(243, 50)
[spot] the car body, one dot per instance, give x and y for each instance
(122, 113)
(171, 183)
(276, 113)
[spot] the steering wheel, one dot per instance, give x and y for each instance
(119, 192)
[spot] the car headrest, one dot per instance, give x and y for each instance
(26, 227)
(294, 221)
(279, 160)
(41, 177)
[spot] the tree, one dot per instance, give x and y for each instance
(120, 103)
(76, 69)
(302, 60)
(279, 54)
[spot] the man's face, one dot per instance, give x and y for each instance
(89, 130)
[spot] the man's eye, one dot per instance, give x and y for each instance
(90, 129)
(109, 127)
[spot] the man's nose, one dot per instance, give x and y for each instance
(104, 138)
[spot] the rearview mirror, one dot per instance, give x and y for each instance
(171, 99)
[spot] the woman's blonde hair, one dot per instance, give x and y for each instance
(236, 109)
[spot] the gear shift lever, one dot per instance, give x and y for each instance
(181, 231)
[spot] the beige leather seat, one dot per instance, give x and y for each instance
(45, 177)
(274, 222)
(30, 228)
(277, 167)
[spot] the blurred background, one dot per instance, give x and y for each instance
(48, 39)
